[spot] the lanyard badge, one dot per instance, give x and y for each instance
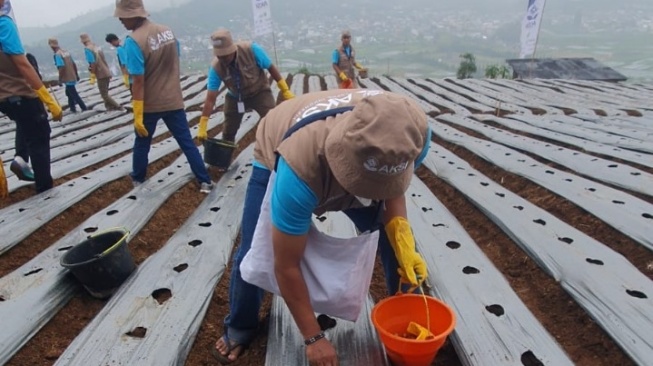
(241, 104)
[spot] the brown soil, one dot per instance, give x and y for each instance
(584, 341)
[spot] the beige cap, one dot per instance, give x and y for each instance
(85, 38)
(53, 42)
(223, 44)
(346, 34)
(372, 151)
(130, 9)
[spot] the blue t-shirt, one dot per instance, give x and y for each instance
(58, 62)
(293, 202)
(262, 61)
(90, 56)
(135, 61)
(335, 58)
(9, 39)
(122, 58)
(121, 55)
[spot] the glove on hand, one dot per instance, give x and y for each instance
(202, 134)
(412, 267)
(285, 91)
(50, 103)
(138, 118)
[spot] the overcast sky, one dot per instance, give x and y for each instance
(34, 13)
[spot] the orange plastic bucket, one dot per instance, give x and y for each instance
(347, 84)
(391, 318)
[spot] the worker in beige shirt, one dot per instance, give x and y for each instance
(99, 70)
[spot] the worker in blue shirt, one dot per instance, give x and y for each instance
(99, 71)
(241, 66)
(153, 62)
(113, 40)
(344, 62)
(22, 95)
(68, 74)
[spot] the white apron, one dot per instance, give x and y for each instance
(337, 271)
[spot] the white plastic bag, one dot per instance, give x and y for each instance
(337, 271)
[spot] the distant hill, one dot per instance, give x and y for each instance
(198, 18)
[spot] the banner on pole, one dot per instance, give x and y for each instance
(262, 17)
(531, 27)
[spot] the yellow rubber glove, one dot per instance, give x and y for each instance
(201, 134)
(4, 188)
(358, 66)
(138, 118)
(50, 103)
(412, 267)
(125, 80)
(285, 90)
(342, 76)
(92, 79)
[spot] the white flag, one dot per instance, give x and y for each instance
(531, 27)
(262, 17)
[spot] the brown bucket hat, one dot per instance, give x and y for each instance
(345, 34)
(223, 44)
(372, 150)
(53, 42)
(85, 38)
(130, 9)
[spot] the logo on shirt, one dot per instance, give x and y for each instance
(335, 101)
(160, 39)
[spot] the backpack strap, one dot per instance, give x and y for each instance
(310, 119)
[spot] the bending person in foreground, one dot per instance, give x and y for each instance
(359, 162)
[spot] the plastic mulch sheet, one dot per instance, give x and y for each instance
(489, 100)
(595, 147)
(426, 106)
(444, 94)
(545, 96)
(493, 327)
(167, 297)
(22, 218)
(626, 213)
(610, 289)
(620, 175)
(36, 291)
(496, 92)
(608, 138)
(40, 287)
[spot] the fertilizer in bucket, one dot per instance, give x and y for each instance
(218, 152)
(401, 320)
(102, 262)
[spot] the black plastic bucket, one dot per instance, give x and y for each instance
(218, 152)
(102, 262)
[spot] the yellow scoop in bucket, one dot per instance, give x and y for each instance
(419, 331)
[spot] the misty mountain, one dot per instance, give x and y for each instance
(461, 26)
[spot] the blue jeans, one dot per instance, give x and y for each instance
(74, 98)
(245, 299)
(178, 126)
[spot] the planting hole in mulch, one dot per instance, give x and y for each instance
(162, 295)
